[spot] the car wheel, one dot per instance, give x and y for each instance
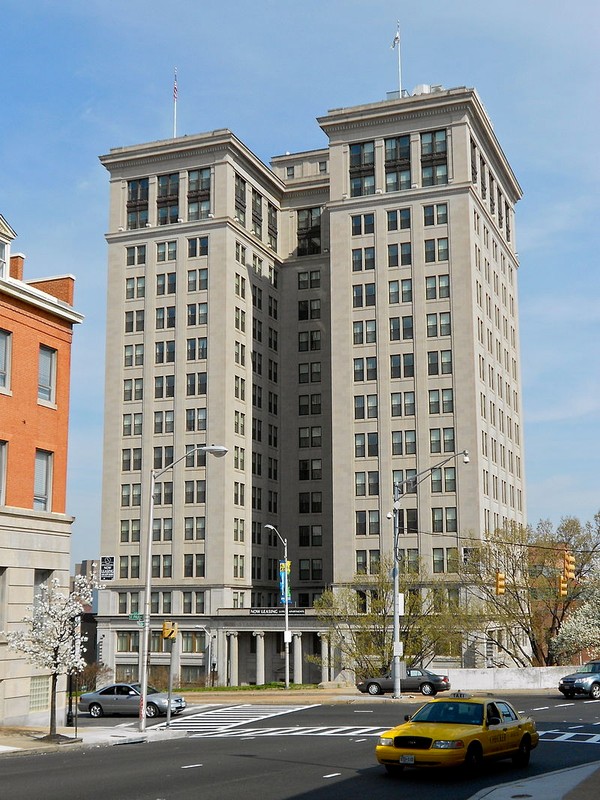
(374, 688)
(394, 769)
(152, 710)
(521, 757)
(427, 688)
(96, 710)
(474, 757)
(595, 691)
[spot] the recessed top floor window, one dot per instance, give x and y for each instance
(168, 185)
(434, 175)
(198, 194)
(433, 143)
(137, 190)
(309, 231)
(137, 203)
(168, 199)
(47, 374)
(397, 180)
(198, 180)
(362, 155)
(397, 149)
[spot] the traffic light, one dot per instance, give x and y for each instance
(569, 565)
(562, 586)
(169, 630)
(500, 583)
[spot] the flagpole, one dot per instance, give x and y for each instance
(396, 45)
(175, 105)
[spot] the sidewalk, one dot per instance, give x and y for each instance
(576, 783)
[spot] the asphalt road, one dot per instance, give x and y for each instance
(255, 753)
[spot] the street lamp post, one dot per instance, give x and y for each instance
(286, 634)
(410, 482)
(215, 450)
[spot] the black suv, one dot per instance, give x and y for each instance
(585, 681)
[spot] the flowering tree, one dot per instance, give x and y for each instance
(581, 630)
(49, 639)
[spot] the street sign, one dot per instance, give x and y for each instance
(107, 568)
(135, 616)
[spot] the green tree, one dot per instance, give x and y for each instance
(359, 620)
(531, 611)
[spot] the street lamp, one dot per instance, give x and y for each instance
(286, 634)
(410, 482)
(216, 450)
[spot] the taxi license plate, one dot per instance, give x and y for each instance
(407, 759)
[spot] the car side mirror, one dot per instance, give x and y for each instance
(407, 718)
(494, 721)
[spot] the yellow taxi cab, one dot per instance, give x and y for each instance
(458, 729)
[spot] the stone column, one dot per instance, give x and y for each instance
(233, 658)
(222, 674)
(324, 656)
(260, 657)
(297, 642)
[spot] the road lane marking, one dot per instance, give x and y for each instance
(191, 766)
(333, 775)
(564, 705)
(541, 708)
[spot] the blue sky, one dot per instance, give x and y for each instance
(79, 78)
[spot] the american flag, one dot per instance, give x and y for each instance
(175, 87)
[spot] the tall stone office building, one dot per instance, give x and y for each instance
(339, 321)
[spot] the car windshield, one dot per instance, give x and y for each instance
(453, 713)
(590, 668)
(138, 688)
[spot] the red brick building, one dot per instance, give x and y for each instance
(36, 329)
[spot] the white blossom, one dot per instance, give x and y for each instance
(581, 630)
(50, 637)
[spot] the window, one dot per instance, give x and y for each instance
(435, 214)
(5, 352)
(168, 199)
(309, 231)
(42, 481)
(3, 461)
(47, 374)
(363, 223)
(137, 203)
(362, 165)
(434, 168)
(398, 220)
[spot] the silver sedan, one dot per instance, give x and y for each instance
(124, 698)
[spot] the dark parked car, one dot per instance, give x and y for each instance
(124, 698)
(417, 680)
(585, 681)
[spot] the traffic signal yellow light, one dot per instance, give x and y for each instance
(562, 586)
(169, 630)
(500, 583)
(569, 565)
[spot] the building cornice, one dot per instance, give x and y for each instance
(34, 297)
